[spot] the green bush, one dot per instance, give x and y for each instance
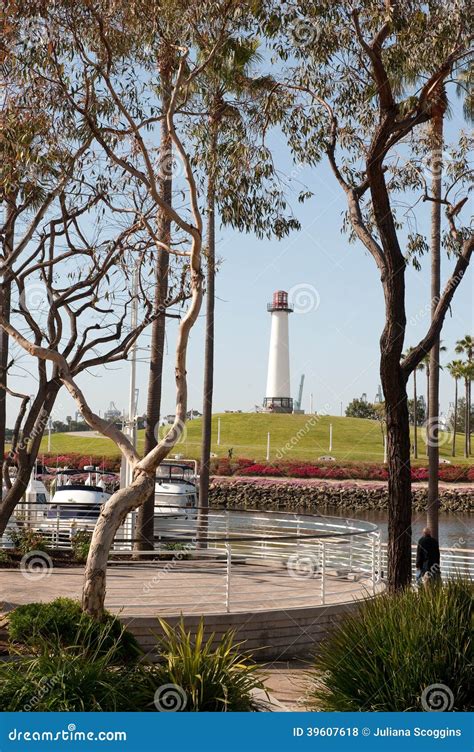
(64, 619)
(62, 679)
(395, 646)
(81, 543)
(205, 678)
(25, 540)
(85, 676)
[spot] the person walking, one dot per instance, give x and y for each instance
(427, 558)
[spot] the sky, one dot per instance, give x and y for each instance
(334, 331)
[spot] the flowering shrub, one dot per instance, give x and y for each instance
(76, 460)
(285, 468)
(262, 470)
(333, 471)
(419, 473)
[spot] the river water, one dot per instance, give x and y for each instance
(454, 529)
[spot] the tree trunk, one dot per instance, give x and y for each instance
(33, 430)
(455, 416)
(399, 477)
(469, 418)
(415, 417)
(111, 518)
(427, 404)
(204, 473)
(5, 305)
(466, 419)
(394, 383)
(5, 311)
(145, 528)
(432, 511)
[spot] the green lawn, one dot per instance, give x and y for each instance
(302, 437)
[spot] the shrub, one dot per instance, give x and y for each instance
(60, 679)
(262, 470)
(395, 646)
(25, 540)
(81, 543)
(64, 620)
(208, 678)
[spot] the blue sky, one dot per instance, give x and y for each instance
(335, 343)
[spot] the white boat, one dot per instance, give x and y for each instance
(176, 497)
(33, 508)
(75, 506)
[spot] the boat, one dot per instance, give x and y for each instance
(75, 506)
(176, 497)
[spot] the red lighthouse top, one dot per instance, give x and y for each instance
(279, 302)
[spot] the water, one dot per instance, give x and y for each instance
(454, 529)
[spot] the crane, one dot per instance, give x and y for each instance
(297, 404)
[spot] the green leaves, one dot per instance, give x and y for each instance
(384, 657)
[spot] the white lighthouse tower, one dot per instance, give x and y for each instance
(278, 398)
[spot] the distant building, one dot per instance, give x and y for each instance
(113, 414)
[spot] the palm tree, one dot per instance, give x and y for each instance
(455, 370)
(432, 364)
(230, 74)
(426, 366)
(466, 346)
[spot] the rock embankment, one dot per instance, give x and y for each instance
(295, 495)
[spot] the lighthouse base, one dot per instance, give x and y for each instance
(278, 405)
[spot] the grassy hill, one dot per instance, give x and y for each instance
(303, 437)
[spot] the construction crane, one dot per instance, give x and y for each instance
(297, 403)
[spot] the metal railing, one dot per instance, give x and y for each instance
(237, 560)
(454, 562)
(248, 561)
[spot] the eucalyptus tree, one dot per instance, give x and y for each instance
(38, 154)
(348, 57)
(166, 60)
(112, 88)
(67, 230)
(232, 94)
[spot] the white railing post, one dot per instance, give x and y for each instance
(379, 556)
(228, 575)
(373, 563)
(323, 572)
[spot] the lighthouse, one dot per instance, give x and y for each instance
(278, 398)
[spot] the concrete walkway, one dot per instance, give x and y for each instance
(190, 587)
(288, 684)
